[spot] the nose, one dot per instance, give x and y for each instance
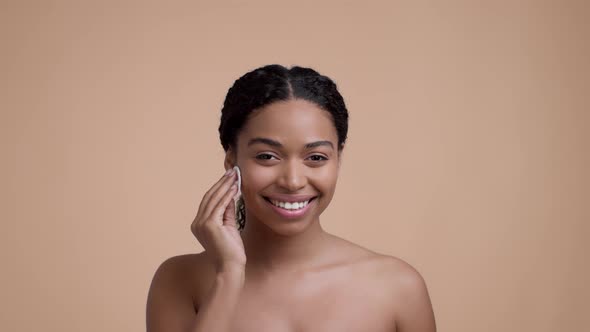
(293, 176)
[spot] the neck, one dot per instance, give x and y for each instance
(268, 251)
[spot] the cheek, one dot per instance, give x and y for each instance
(255, 178)
(329, 175)
(325, 182)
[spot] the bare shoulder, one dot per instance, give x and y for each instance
(402, 275)
(189, 273)
(411, 305)
(395, 270)
(407, 299)
(177, 285)
(391, 273)
(182, 265)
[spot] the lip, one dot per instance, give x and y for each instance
(292, 214)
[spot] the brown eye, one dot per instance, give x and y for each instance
(264, 156)
(318, 158)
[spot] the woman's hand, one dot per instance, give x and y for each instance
(215, 225)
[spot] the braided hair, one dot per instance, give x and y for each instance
(273, 83)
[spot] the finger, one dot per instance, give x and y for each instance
(207, 197)
(220, 209)
(229, 215)
(208, 202)
(227, 175)
(218, 196)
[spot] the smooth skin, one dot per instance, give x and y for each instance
(283, 275)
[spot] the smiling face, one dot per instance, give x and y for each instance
(289, 161)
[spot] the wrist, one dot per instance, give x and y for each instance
(232, 272)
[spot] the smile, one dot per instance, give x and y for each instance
(290, 209)
(290, 205)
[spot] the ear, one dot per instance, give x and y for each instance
(230, 159)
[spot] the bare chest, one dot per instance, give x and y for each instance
(335, 304)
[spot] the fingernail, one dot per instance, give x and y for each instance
(228, 171)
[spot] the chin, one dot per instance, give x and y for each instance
(288, 229)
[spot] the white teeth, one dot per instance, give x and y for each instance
(290, 206)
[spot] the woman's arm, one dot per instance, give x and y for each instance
(170, 306)
(415, 309)
(218, 308)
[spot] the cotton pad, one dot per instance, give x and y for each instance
(239, 184)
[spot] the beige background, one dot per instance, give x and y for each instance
(468, 149)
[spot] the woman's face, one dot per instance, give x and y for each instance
(289, 161)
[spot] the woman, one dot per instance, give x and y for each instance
(273, 268)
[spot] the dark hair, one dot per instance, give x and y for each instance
(272, 83)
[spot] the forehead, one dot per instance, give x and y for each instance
(292, 122)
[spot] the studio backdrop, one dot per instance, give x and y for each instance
(467, 156)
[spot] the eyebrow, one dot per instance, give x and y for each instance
(272, 142)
